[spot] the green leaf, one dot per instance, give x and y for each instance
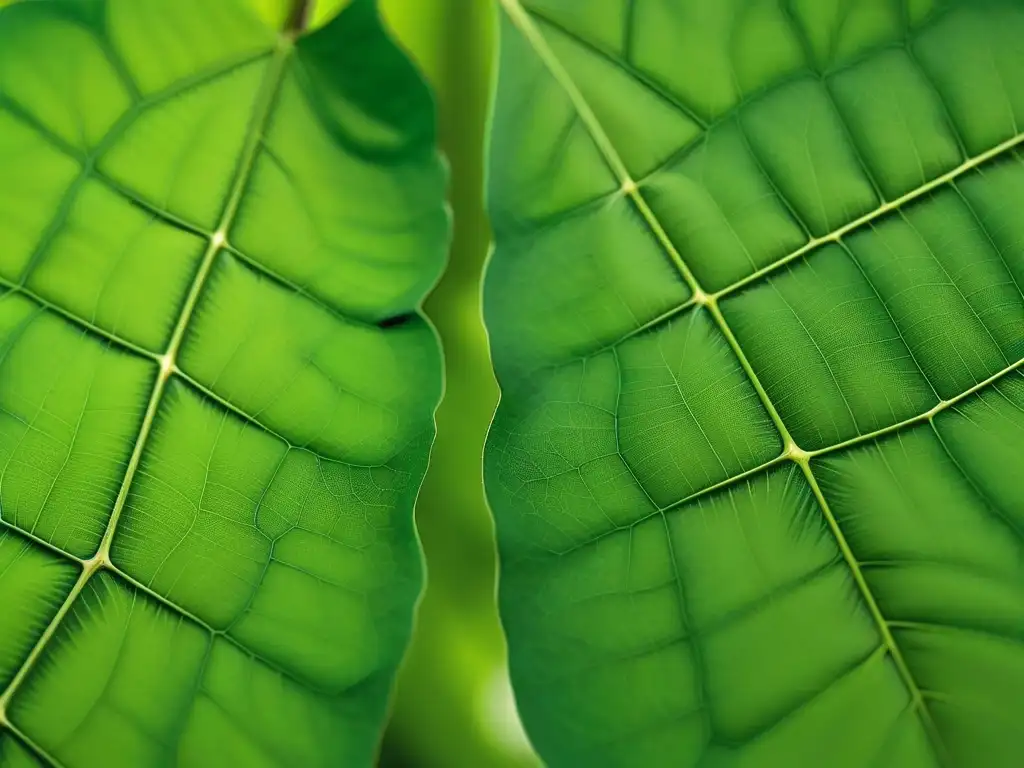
(756, 311)
(216, 386)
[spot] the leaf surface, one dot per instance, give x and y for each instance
(216, 386)
(756, 310)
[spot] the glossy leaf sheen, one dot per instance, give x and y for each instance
(756, 309)
(216, 388)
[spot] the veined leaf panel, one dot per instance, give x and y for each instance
(756, 310)
(216, 386)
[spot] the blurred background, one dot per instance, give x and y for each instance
(453, 706)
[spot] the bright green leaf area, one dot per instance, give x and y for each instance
(756, 310)
(216, 386)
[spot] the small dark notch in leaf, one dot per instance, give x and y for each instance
(396, 321)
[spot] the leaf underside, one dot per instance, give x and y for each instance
(756, 309)
(216, 389)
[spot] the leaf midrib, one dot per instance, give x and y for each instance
(521, 19)
(262, 110)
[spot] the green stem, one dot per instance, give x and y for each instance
(300, 16)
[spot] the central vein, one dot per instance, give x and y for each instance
(262, 110)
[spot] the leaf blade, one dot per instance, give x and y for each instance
(252, 519)
(564, 474)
